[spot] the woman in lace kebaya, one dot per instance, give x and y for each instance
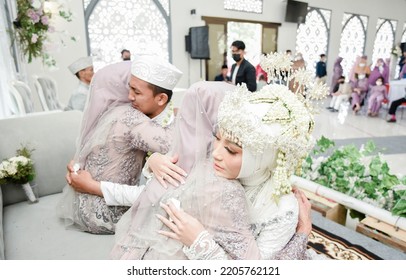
(260, 154)
(260, 140)
(121, 123)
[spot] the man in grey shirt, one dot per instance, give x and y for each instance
(83, 69)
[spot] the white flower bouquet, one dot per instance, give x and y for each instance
(19, 170)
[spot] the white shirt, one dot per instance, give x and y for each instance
(235, 74)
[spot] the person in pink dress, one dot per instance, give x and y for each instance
(377, 94)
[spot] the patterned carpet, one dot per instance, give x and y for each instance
(335, 247)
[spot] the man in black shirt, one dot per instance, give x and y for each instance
(242, 71)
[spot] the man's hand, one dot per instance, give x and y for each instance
(82, 181)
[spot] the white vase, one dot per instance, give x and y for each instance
(28, 189)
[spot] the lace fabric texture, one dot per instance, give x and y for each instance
(274, 234)
(218, 203)
(112, 148)
(240, 223)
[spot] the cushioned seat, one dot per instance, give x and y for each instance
(33, 232)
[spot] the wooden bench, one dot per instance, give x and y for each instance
(328, 208)
(383, 232)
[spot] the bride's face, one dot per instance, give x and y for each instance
(227, 157)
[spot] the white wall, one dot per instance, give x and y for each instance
(274, 11)
(66, 82)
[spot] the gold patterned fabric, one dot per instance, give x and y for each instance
(335, 247)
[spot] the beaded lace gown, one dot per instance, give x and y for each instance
(221, 205)
(114, 140)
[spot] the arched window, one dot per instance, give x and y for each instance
(384, 39)
(313, 36)
(249, 6)
(352, 43)
(141, 26)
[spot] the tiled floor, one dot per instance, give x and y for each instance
(391, 137)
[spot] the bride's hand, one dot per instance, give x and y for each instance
(304, 224)
(184, 227)
(164, 169)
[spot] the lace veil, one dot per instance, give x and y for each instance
(107, 92)
(216, 202)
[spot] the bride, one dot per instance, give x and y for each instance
(261, 138)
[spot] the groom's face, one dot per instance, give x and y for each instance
(142, 97)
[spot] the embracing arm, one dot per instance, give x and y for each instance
(150, 136)
(199, 244)
(223, 211)
(114, 194)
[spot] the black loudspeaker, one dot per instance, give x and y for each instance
(199, 42)
(403, 47)
(187, 43)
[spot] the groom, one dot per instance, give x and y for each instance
(151, 83)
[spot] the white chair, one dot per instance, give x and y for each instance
(47, 92)
(22, 97)
(17, 106)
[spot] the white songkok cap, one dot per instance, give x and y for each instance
(80, 64)
(156, 71)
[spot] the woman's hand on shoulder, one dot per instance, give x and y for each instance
(304, 224)
(185, 228)
(165, 169)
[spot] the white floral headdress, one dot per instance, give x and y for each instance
(274, 117)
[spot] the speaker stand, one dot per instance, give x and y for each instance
(201, 70)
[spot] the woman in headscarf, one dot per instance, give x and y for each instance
(111, 148)
(337, 73)
(381, 69)
(261, 155)
(377, 94)
(360, 67)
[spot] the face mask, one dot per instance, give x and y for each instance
(236, 57)
(361, 76)
(378, 83)
(362, 65)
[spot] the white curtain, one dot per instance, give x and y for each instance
(7, 68)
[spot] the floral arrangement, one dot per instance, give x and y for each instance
(19, 170)
(396, 51)
(35, 22)
(359, 173)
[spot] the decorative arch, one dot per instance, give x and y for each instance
(313, 36)
(353, 37)
(384, 39)
(141, 26)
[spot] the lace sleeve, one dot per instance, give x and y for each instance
(276, 233)
(222, 208)
(148, 135)
(295, 249)
(205, 248)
